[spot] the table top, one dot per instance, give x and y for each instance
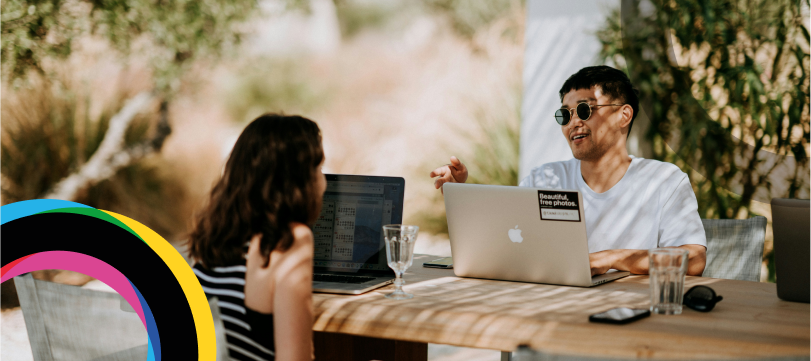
(749, 322)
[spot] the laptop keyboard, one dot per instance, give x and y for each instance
(340, 279)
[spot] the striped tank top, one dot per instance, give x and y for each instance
(249, 334)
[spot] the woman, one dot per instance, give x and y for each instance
(253, 245)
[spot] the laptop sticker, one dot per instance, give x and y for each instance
(559, 206)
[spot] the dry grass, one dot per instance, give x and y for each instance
(397, 102)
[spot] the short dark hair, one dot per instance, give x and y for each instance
(268, 182)
(613, 83)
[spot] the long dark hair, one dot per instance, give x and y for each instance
(267, 183)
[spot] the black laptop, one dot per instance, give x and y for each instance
(350, 254)
(790, 222)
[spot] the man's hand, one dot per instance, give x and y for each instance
(632, 260)
(455, 172)
(600, 262)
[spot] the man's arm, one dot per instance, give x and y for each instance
(636, 261)
(680, 227)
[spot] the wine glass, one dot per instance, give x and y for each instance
(400, 240)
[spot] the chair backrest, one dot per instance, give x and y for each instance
(735, 248)
(219, 330)
(70, 323)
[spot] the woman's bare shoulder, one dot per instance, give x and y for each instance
(301, 233)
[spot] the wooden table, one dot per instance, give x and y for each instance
(750, 322)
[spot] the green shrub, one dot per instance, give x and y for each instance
(272, 85)
(355, 16)
(467, 16)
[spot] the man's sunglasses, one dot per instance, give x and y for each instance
(563, 115)
(701, 298)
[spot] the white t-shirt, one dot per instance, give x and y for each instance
(653, 205)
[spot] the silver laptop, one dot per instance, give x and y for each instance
(520, 234)
(350, 254)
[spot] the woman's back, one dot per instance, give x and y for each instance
(270, 191)
(249, 334)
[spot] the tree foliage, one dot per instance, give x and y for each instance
(37, 35)
(168, 32)
(726, 86)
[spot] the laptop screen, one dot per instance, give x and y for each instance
(348, 233)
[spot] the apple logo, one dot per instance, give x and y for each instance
(515, 235)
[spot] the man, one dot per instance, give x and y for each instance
(631, 204)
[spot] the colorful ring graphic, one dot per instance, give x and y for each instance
(126, 255)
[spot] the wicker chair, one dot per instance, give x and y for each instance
(71, 323)
(734, 248)
(219, 330)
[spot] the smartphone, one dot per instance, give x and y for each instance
(446, 263)
(621, 315)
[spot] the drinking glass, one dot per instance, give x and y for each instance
(400, 240)
(667, 269)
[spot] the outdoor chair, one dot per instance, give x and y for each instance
(71, 323)
(219, 330)
(734, 248)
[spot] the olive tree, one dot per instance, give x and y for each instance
(170, 34)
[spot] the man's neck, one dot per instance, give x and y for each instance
(605, 172)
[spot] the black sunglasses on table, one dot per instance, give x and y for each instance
(563, 115)
(701, 298)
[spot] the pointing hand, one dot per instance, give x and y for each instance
(455, 172)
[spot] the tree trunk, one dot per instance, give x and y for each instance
(112, 154)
